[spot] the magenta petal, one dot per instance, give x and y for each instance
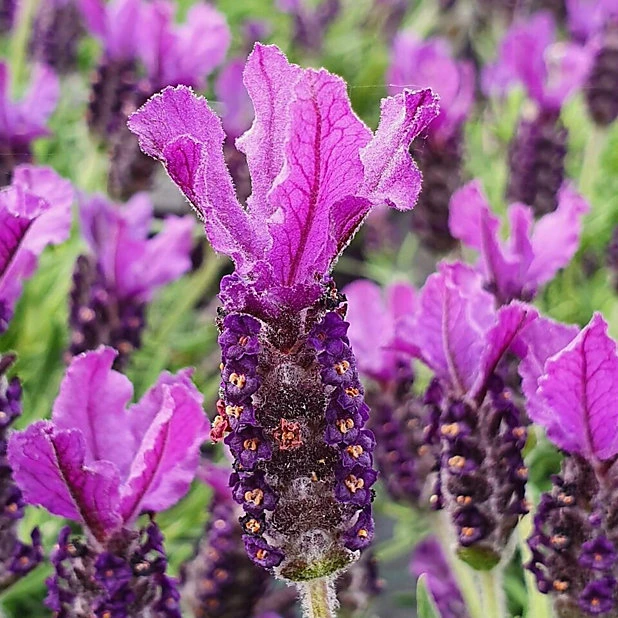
(34, 211)
(454, 313)
(542, 339)
(270, 80)
(168, 455)
(556, 235)
(237, 112)
(92, 399)
(391, 176)
(512, 321)
(180, 130)
(322, 168)
(579, 390)
(49, 467)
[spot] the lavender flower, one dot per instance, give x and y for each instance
(25, 120)
(35, 211)
(381, 338)
(475, 423)
(534, 252)
(114, 284)
(56, 32)
(291, 400)
(8, 12)
(102, 465)
(550, 72)
(570, 381)
(16, 558)
(310, 22)
(428, 559)
(424, 64)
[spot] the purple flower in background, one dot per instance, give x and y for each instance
(422, 64)
(533, 253)
(430, 64)
(181, 54)
(113, 285)
(310, 21)
(290, 385)
(16, 558)
(56, 32)
(571, 383)
(474, 423)
(550, 72)
(98, 463)
(587, 18)
(23, 121)
(381, 336)
(428, 559)
(35, 211)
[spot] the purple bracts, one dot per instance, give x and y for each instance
(114, 284)
(291, 402)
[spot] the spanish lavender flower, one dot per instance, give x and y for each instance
(423, 64)
(310, 21)
(16, 558)
(533, 253)
(291, 402)
(8, 12)
(98, 463)
(35, 211)
(113, 285)
(24, 121)
(573, 393)
(380, 337)
(428, 559)
(115, 90)
(56, 32)
(596, 23)
(474, 421)
(550, 72)
(171, 54)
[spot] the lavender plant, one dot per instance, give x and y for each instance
(291, 403)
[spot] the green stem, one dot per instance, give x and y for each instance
(590, 164)
(20, 40)
(493, 593)
(319, 598)
(461, 571)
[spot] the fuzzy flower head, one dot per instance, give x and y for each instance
(102, 464)
(316, 172)
(35, 211)
(549, 71)
(533, 253)
(423, 64)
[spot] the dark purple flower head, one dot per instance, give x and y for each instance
(549, 71)
(310, 20)
(533, 253)
(35, 211)
(429, 64)
(102, 464)
(181, 54)
(309, 196)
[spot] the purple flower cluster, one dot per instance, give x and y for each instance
(102, 465)
(570, 381)
(114, 284)
(290, 396)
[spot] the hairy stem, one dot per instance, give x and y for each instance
(319, 599)
(590, 165)
(493, 593)
(20, 40)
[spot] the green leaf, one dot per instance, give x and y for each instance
(425, 605)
